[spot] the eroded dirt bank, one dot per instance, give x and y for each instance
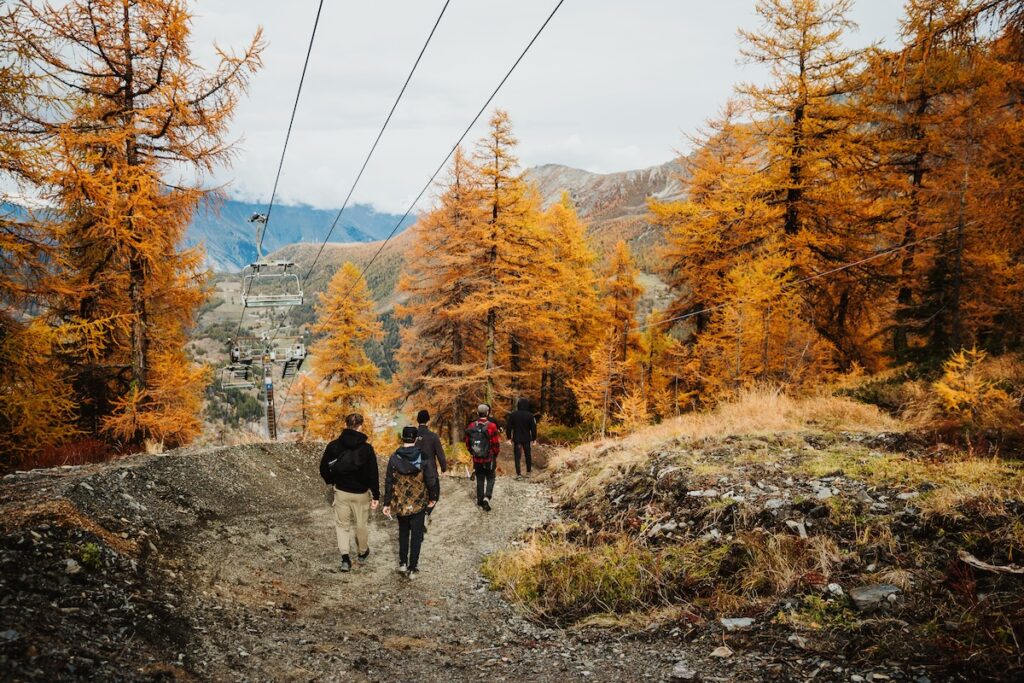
(221, 565)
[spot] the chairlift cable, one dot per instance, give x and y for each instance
(444, 162)
(373, 147)
(458, 142)
(291, 123)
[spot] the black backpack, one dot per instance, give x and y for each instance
(346, 463)
(479, 441)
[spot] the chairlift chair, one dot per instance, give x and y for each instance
(237, 376)
(266, 284)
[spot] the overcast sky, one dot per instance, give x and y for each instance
(610, 85)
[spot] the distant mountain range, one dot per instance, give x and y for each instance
(230, 239)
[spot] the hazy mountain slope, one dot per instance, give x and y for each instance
(613, 204)
(224, 229)
(606, 196)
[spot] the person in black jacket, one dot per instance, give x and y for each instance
(349, 465)
(521, 427)
(429, 442)
(410, 489)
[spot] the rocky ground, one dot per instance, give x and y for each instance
(813, 555)
(220, 564)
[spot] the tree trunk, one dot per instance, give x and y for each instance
(515, 363)
(958, 272)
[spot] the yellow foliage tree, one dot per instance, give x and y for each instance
(442, 354)
(573, 317)
(122, 105)
(965, 394)
(759, 335)
(348, 381)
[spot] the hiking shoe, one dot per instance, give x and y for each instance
(413, 573)
(403, 568)
(485, 505)
(362, 556)
(346, 563)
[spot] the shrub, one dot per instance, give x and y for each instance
(81, 452)
(562, 435)
(970, 398)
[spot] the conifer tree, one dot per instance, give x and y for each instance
(442, 353)
(622, 290)
(516, 259)
(574, 319)
(348, 381)
(123, 104)
(725, 218)
(810, 132)
(595, 390)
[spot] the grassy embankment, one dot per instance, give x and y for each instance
(775, 508)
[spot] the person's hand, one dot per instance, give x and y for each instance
(510, 442)
(386, 510)
(431, 503)
(374, 504)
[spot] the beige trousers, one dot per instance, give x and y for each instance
(352, 509)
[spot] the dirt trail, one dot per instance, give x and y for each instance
(236, 579)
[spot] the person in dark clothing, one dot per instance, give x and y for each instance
(429, 442)
(521, 427)
(349, 466)
(410, 489)
(483, 440)
(430, 445)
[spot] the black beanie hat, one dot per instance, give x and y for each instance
(423, 417)
(409, 434)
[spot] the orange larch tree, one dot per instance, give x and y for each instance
(123, 109)
(809, 132)
(573, 319)
(442, 352)
(348, 381)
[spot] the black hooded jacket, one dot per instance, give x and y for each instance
(403, 462)
(366, 478)
(430, 444)
(521, 425)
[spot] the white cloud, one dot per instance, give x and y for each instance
(610, 85)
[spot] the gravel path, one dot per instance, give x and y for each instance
(227, 570)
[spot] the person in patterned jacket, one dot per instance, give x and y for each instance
(410, 489)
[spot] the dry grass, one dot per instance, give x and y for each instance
(756, 412)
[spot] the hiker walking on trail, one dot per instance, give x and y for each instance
(429, 444)
(349, 466)
(521, 427)
(410, 490)
(483, 439)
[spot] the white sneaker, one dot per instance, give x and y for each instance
(403, 568)
(413, 573)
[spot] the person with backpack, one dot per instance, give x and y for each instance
(349, 467)
(521, 427)
(410, 490)
(430, 444)
(483, 439)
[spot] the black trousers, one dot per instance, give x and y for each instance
(410, 538)
(523, 449)
(484, 480)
